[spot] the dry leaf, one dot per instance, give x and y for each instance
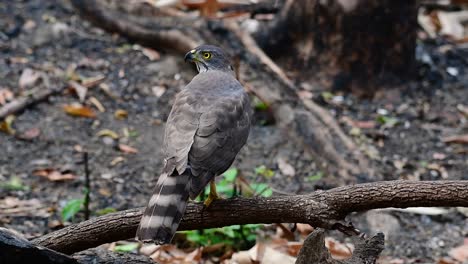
(148, 249)
(92, 81)
(12, 206)
(121, 114)
(461, 139)
(28, 78)
(79, 89)
(463, 109)
(151, 54)
(127, 149)
(286, 168)
(107, 133)
(304, 229)
(80, 111)
(460, 253)
(195, 256)
(117, 161)
(97, 104)
(54, 175)
(5, 96)
(30, 134)
(158, 91)
(338, 250)
(6, 125)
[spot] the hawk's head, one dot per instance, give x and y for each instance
(209, 57)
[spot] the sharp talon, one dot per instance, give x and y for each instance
(212, 196)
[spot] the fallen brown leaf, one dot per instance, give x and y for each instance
(54, 175)
(151, 54)
(338, 250)
(28, 78)
(121, 114)
(460, 253)
(79, 111)
(304, 229)
(97, 104)
(127, 149)
(92, 81)
(286, 168)
(107, 133)
(5, 96)
(461, 139)
(79, 89)
(117, 160)
(6, 125)
(30, 134)
(12, 206)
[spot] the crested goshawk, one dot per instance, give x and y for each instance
(208, 125)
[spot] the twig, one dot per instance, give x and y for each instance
(326, 209)
(87, 185)
(23, 102)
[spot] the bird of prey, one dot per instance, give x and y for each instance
(208, 125)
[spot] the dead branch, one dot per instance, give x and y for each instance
(15, 249)
(314, 250)
(303, 121)
(23, 102)
(326, 209)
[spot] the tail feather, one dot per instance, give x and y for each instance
(165, 209)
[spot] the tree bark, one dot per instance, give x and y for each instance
(326, 209)
(348, 44)
(314, 251)
(14, 249)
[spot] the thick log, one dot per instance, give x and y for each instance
(15, 249)
(326, 209)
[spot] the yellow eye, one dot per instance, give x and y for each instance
(206, 55)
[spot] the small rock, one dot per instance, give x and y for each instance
(383, 222)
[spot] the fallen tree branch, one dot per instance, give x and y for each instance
(23, 102)
(14, 249)
(326, 209)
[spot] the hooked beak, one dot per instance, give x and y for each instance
(190, 56)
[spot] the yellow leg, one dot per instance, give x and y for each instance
(213, 194)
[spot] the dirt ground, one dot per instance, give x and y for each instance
(50, 39)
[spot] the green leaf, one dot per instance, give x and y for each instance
(262, 189)
(14, 184)
(71, 208)
(105, 211)
(264, 171)
(231, 174)
(133, 133)
(262, 106)
(315, 177)
(130, 247)
(259, 104)
(327, 96)
(387, 121)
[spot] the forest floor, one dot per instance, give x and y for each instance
(44, 45)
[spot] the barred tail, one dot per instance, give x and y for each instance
(165, 209)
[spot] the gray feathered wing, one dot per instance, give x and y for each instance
(205, 130)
